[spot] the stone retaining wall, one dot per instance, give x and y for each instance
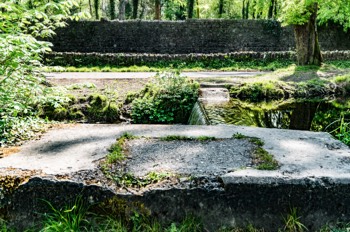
(183, 37)
(129, 59)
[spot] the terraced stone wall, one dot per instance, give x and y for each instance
(183, 37)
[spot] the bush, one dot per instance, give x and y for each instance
(169, 99)
(258, 91)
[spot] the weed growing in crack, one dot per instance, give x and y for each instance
(116, 153)
(186, 138)
(239, 136)
(129, 180)
(263, 159)
(292, 222)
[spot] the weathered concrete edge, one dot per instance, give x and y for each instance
(261, 177)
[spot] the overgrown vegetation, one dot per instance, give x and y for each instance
(92, 62)
(116, 151)
(21, 89)
(261, 158)
(116, 214)
(128, 180)
(169, 99)
(292, 222)
(342, 131)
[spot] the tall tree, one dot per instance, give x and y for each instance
(303, 15)
(135, 5)
(112, 9)
(90, 7)
(97, 8)
(271, 9)
(190, 8)
(122, 4)
(221, 8)
(157, 10)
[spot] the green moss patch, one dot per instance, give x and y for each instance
(186, 138)
(261, 158)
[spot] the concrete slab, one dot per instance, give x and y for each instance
(77, 147)
(313, 177)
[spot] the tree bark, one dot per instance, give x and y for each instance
(97, 7)
(221, 8)
(112, 9)
(306, 38)
(247, 10)
(243, 9)
(135, 5)
(190, 7)
(157, 15)
(271, 7)
(122, 4)
(90, 7)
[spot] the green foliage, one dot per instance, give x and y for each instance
(128, 180)
(116, 151)
(4, 227)
(69, 218)
(98, 62)
(263, 159)
(189, 224)
(239, 136)
(256, 141)
(205, 138)
(16, 129)
(169, 99)
(257, 91)
(342, 132)
(175, 137)
(297, 12)
(313, 88)
(292, 222)
(21, 23)
(103, 108)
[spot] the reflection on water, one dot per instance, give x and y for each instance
(305, 115)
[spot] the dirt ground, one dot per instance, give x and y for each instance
(86, 87)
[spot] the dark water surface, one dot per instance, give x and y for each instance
(315, 115)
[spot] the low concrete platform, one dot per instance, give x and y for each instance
(224, 188)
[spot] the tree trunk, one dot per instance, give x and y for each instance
(306, 38)
(247, 10)
(135, 5)
(112, 9)
(221, 8)
(197, 2)
(270, 15)
(190, 6)
(97, 7)
(157, 14)
(90, 7)
(243, 9)
(275, 9)
(122, 4)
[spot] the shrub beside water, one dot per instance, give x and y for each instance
(168, 99)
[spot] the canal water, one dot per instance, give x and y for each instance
(315, 115)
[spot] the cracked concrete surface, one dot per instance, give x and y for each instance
(78, 147)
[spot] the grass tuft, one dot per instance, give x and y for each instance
(265, 160)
